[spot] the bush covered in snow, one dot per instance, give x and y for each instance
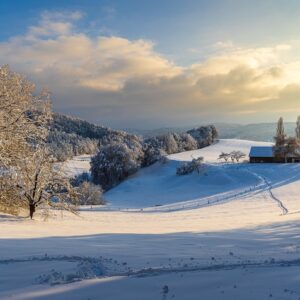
(156, 148)
(115, 162)
(89, 194)
(204, 135)
(152, 155)
(173, 142)
(190, 167)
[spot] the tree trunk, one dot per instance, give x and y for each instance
(31, 210)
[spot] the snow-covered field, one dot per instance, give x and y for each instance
(229, 233)
(76, 166)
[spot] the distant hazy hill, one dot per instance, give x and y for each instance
(256, 132)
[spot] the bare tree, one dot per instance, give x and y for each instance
(224, 156)
(291, 147)
(28, 178)
(40, 184)
(297, 130)
(232, 156)
(280, 133)
(238, 155)
(23, 116)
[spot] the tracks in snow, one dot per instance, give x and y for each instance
(279, 202)
(262, 186)
(214, 267)
(270, 192)
(155, 271)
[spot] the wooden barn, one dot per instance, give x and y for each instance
(261, 154)
(265, 154)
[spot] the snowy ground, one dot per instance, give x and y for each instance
(76, 166)
(229, 233)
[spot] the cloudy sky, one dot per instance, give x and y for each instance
(149, 64)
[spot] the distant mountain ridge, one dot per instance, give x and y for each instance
(257, 131)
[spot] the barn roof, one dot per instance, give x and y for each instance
(261, 151)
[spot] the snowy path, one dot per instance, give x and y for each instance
(279, 202)
(261, 185)
(265, 182)
(91, 267)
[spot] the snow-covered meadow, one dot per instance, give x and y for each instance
(230, 232)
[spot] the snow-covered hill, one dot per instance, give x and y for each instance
(159, 186)
(230, 234)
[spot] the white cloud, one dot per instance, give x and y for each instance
(224, 44)
(54, 23)
(131, 81)
(101, 63)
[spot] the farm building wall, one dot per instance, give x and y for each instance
(262, 160)
(274, 160)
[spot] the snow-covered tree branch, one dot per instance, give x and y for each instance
(28, 177)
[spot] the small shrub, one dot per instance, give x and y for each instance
(90, 194)
(204, 135)
(190, 167)
(114, 163)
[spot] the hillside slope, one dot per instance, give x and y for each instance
(158, 185)
(245, 246)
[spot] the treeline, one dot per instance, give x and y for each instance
(116, 161)
(70, 136)
(118, 154)
(66, 145)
